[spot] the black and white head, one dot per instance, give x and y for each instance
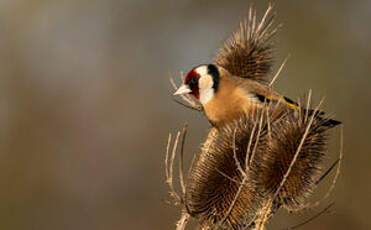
(202, 82)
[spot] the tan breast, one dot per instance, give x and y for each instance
(229, 103)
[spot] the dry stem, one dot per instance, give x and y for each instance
(169, 172)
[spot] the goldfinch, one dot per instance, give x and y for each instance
(237, 83)
(226, 97)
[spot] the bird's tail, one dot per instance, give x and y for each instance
(327, 122)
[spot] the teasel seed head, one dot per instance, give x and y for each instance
(279, 151)
(217, 192)
(248, 53)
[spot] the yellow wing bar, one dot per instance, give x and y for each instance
(290, 103)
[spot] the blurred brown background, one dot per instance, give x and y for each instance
(85, 106)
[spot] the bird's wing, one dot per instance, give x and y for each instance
(265, 94)
(282, 103)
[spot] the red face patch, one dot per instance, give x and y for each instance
(192, 81)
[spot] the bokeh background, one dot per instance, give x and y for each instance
(85, 105)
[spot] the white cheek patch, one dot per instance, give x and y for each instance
(205, 84)
(202, 70)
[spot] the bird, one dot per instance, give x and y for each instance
(236, 82)
(226, 97)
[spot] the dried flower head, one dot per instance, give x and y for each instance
(251, 167)
(217, 192)
(297, 143)
(248, 53)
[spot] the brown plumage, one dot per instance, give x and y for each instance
(236, 97)
(226, 97)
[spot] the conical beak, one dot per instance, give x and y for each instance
(183, 89)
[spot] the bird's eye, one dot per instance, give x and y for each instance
(192, 79)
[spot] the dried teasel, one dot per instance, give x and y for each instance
(248, 53)
(290, 167)
(220, 191)
(251, 167)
